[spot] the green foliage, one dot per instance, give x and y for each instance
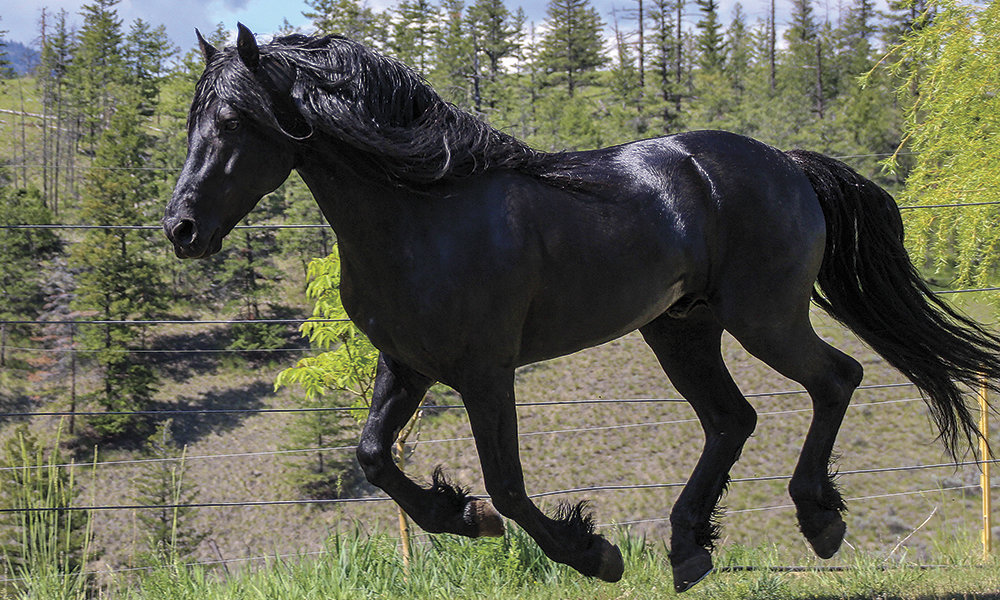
(710, 38)
(248, 277)
(496, 35)
(22, 252)
(117, 280)
(572, 48)
(298, 206)
(97, 67)
(45, 551)
(5, 69)
(414, 32)
(169, 533)
(345, 369)
(947, 83)
(351, 18)
(453, 74)
(355, 565)
(348, 365)
(147, 50)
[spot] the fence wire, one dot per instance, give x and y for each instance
(372, 499)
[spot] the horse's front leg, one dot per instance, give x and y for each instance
(568, 538)
(442, 508)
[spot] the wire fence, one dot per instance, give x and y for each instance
(423, 442)
(246, 504)
(347, 409)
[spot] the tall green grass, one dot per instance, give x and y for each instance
(358, 566)
(45, 551)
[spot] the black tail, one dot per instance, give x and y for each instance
(868, 283)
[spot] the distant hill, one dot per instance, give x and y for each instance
(22, 58)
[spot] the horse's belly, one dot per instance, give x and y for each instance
(567, 324)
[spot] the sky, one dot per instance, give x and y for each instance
(20, 18)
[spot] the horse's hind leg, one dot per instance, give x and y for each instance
(440, 508)
(793, 349)
(568, 538)
(689, 349)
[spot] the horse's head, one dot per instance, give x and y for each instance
(239, 147)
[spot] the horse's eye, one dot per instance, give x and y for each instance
(230, 124)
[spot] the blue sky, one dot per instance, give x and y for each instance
(20, 18)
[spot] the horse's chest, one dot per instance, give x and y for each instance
(399, 323)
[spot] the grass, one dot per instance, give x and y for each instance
(357, 566)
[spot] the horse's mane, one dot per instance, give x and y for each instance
(382, 110)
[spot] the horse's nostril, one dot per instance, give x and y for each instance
(183, 232)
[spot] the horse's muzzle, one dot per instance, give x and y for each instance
(188, 242)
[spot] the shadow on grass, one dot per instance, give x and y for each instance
(205, 352)
(16, 402)
(189, 428)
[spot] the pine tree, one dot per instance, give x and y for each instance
(801, 79)
(665, 50)
(58, 142)
(497, 35)
(349, 18)
(711, 42)
(170, 535)
(572, 48)
(97, 68)
(626, 83)
(740, 53)
(298, 206)
(414, 33)
(147, 50)
(5, 70)
(247, 276)
(21, 251)
(117, 281)
(455, 61)
(870, 124)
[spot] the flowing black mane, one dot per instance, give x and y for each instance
(333, 87)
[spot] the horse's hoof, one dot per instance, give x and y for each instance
(691, 571)
(612, 566)
(828, 541)
(487, 520)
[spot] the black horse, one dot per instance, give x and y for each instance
(467, 254)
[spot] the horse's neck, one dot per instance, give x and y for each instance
(361, 212)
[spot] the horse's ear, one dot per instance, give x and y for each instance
(246, 47)
(207, 50)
